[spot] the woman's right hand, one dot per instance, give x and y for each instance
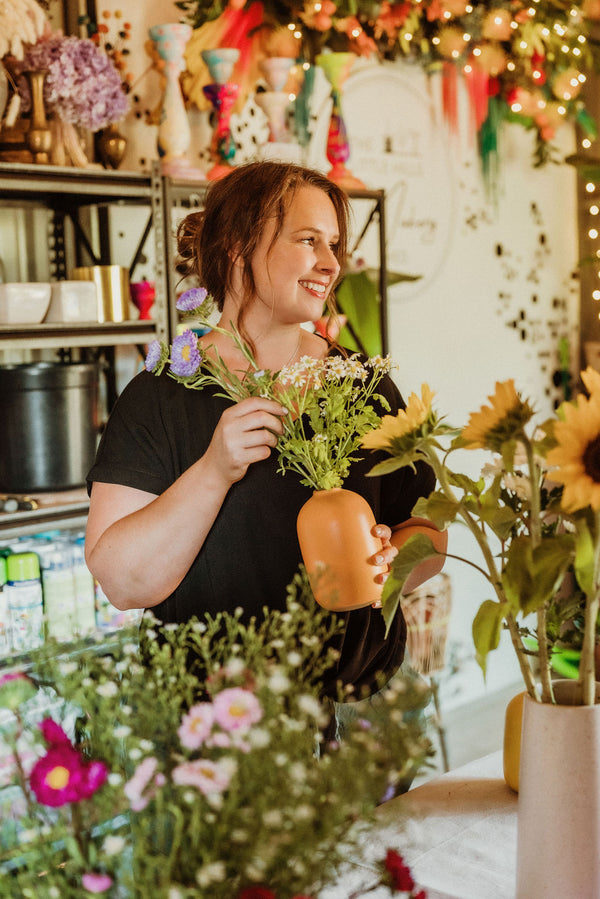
(246, 433)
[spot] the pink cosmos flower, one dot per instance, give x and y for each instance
(236, 709)
(144, 784)
(62, 775)
(196, 725)
(96, 883)
(204, 774)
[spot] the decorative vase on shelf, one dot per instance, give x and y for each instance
(222, 94)
(143, 294)
(38, 137)
(334, 531)
(336, 67)
(275, 101)
(174, 135)
(111, 146)
(558, 836)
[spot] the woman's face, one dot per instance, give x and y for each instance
(294, 277)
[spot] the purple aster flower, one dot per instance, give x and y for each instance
(153, 355)
(192, 299)
(185, 355)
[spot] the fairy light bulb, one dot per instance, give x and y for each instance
(594, 210)
(592, 234)
(596, 295)
(590, 187)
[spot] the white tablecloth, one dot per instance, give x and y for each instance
(457, 832)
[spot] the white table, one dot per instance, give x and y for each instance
(457, 832)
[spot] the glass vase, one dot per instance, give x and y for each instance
(222, 95)
(336, 67)
(174, 135)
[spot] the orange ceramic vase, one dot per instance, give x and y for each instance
(334, 531)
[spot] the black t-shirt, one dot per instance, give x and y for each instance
(159, 428)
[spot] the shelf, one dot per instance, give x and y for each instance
(88, 334)
(63, 511)
(49, 183)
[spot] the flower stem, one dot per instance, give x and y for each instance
(587, 662)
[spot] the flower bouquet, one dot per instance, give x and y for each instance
(189, 766)
(331, 403)
(536, 524)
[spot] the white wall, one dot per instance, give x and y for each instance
(455, 328)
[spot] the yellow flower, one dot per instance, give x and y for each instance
(577, 454)
(393, 427)
(494, 425)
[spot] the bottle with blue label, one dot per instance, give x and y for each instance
(25, 601)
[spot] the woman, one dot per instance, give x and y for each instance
(187, 512)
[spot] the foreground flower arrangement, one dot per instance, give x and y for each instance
(331, 402)
(189, 769)
(537, 525)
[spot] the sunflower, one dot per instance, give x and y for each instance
(493, 425)
(577, 454)
(394, 427)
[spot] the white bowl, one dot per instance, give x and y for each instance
(23, 303)
(73, 301)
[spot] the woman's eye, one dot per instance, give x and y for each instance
(309, 240)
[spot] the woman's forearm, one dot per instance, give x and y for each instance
(146, 550)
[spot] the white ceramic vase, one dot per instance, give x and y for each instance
(558, 847)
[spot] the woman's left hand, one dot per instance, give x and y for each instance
(384, 556)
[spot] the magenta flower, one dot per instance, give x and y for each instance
(62, 775)
(185, 355)
(196, 725)
(96, 883)
(153, 355)
(192, 299)
(204, 774)
(236, 709)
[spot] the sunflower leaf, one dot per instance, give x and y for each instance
(487, 627)
(531, 576)
(417, 549)
(584, 557)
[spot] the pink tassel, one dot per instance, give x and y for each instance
(450, 95)
(478, 87)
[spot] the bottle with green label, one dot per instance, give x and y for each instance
(25, 601)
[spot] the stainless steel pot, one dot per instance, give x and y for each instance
(48, 425)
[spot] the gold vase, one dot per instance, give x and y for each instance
(39, 136)
(111, 146)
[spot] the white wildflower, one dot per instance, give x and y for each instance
(113, 845)
(278, 682)
(273, 818)
(309, 705)
(214, 872)
(107, 689)
(122, 731)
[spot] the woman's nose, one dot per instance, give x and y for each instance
(328, 260)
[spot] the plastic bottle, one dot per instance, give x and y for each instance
(5, 645)
(25, 601)
(58, 587)
(84, 589)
